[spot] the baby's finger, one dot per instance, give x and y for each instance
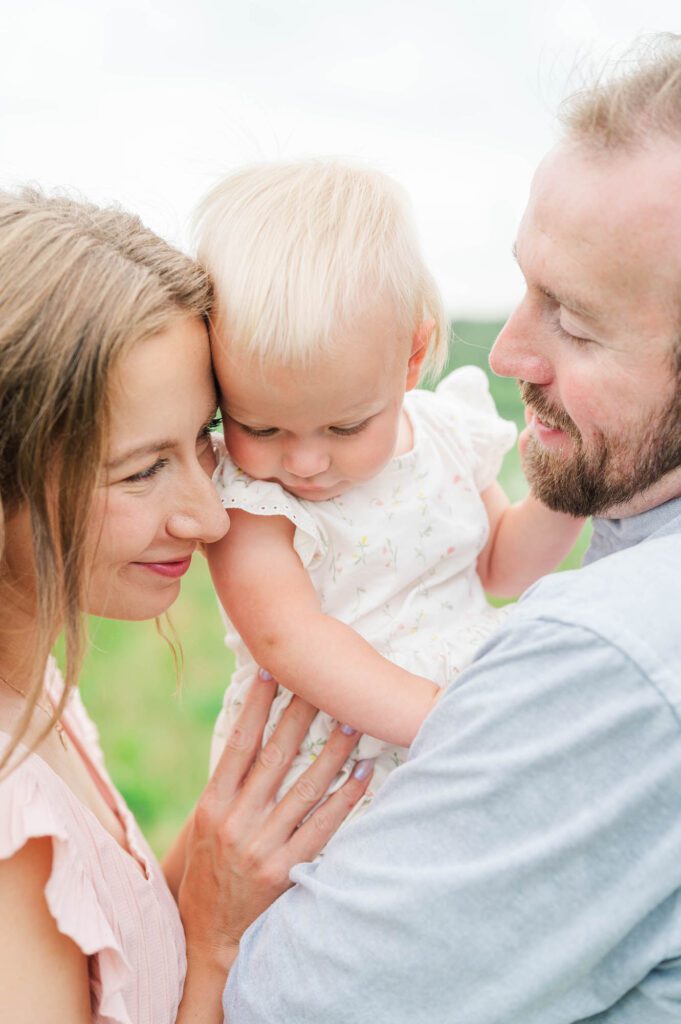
(244, 740)
(314, 834)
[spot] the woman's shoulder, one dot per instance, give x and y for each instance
(28, 787)
(28, 935)
(35, 802)
(45, 846)
(94, 891)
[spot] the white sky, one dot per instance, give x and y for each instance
(148, 103)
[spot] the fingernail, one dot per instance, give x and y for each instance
(264, 675)
(347, 730)
(363, 768)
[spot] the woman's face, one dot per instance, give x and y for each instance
(155, 503)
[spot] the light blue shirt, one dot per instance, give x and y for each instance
(524, 866)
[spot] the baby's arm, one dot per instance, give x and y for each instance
(270, 598)
(526, 541)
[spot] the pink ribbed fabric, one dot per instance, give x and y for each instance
(115, 906)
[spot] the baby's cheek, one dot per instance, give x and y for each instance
(375, 455)
(246, 453)
(232, 442)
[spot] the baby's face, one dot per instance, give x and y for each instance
(319, 431)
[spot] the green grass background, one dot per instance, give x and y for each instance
(156, 735)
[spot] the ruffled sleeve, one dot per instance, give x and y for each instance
(30, 808)
(466, 392)
(267, 498)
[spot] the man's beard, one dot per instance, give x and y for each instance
(611, 471)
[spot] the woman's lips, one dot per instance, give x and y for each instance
(172, 570)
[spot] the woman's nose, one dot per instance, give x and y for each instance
(199, 515)
(306, 460)
(522, 347)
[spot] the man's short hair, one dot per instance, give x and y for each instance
(641, 100)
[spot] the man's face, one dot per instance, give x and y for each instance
(594, 341)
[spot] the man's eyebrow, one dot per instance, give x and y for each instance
(566, 301)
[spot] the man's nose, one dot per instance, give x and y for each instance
(306, 460)
(522, 348)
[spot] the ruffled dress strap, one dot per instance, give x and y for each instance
(467, 396)
(237, 490)
(85, 734)
(32, 806)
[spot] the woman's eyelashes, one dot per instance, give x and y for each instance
(211, 426)
(146, 474)
(202, 438)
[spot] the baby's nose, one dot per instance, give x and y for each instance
(303, 461)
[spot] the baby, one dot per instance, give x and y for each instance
(366, 520)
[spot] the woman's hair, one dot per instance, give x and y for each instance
(297, 250)
(636, 100)
(79, 286)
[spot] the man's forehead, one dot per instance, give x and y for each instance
(605, 224)
(620, 188)
(586, 307)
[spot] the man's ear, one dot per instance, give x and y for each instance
(419, 350)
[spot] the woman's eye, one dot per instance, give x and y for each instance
(146, 474)
(210, 427)
(348, 431)
(213, 425)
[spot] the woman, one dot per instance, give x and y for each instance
(106, 402)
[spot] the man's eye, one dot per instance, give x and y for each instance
(348, 431)
(563, 333)
(146, 474)
(575, 337)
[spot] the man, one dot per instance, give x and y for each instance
(524, 867)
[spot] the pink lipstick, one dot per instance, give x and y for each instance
(171, 570)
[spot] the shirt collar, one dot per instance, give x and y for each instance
(611, 535)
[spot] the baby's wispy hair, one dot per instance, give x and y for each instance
(298, 250)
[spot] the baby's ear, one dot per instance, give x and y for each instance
(419, 349)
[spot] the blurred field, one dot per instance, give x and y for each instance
(156, 739)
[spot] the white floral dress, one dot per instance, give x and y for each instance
(393, 557)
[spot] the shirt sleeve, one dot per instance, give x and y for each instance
(484, 434)
(522, 867)
(237, 489)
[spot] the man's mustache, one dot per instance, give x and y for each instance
(533, 396)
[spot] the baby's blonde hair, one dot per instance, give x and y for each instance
(297, 250)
